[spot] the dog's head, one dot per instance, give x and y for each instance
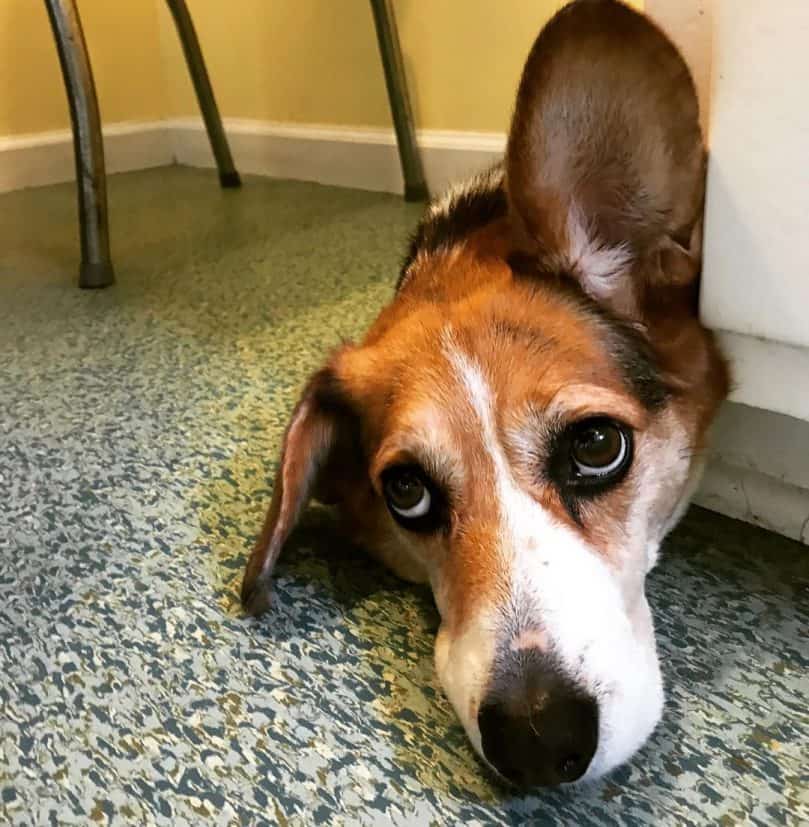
(521, 425)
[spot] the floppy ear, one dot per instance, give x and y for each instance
(605, 164)
(321, 437)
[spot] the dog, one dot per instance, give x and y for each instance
(523, 423)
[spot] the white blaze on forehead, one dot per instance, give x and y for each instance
(564, 587)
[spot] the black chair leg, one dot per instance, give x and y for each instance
(388, 37)
(96, 265)
(228, 176)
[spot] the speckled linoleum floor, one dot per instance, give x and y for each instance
(138, 432)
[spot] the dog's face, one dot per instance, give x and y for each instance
(520, 426)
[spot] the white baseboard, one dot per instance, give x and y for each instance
(758, 470)
(755, 498)
(47, 157)
(766, 374)
(360, 158)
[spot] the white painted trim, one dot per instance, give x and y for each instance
(57, 136)
(426, 138)
(755, 498)
(768, 375)
(364, 158)
(34, 160)
(757, 471)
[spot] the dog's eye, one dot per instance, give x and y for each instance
(412, 499)
(407, 494)
(590, 456)
(598, 448)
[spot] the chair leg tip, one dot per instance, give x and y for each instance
(230, 180)
(95, 275)
(417, 192)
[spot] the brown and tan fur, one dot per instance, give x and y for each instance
(570, 294)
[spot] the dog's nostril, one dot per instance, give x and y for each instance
(570, 767)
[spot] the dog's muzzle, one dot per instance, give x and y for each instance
(537, 728)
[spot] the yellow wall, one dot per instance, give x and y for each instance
(316, 61)
(124, 46)
(300, 61)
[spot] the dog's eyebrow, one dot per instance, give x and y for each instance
(443, 466)
(587, 399)
(330, 394)
(533, 338)
(638, 364)
(628, 347)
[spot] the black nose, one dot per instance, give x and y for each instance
(542, 737)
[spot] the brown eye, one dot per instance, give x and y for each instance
(407, 494)
(599, 448)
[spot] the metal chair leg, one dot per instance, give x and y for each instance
(388, 37)
(96, 265)
(228, 176)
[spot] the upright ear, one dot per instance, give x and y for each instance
(605, 165)
(320, 445)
